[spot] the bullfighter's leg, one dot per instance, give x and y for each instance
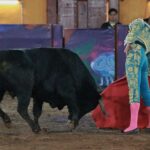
(133, 73)
(145, 90)
(37, 110)
(5, 117)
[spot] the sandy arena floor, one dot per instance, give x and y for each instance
(58, 135)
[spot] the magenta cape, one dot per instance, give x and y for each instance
(116, 101)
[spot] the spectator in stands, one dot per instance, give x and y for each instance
(113, 20)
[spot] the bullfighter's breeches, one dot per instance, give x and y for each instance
(137, 76)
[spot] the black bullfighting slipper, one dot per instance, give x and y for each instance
(131, 132)
(146, 130)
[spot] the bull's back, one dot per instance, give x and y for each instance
(50, 60)
(80, 72)
(14, 57)
(47, 62)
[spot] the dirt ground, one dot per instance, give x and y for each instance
(59, 136)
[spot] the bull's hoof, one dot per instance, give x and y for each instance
(45, 130)
(76, 123)
(7, 121)
(36, 130)
(72, 124)
(8, 125)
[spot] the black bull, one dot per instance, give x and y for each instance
(56, 76)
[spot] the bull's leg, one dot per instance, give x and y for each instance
(5, 117)
(70, 99)
(73, 113)
(23, 103)
(37, 110)
(69, 116)
(73, 109)
(67, 91)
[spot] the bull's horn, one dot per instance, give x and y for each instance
(102, 107)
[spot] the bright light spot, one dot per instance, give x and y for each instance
(9, 2)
